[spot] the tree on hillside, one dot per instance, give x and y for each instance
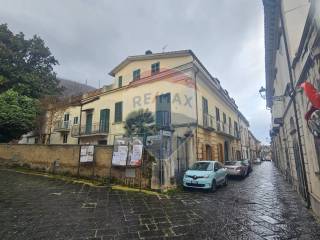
(26, 73)
(26, 65)
(17, 115)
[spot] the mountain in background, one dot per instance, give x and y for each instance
(73, 88)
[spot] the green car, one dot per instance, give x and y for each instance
(205, 175)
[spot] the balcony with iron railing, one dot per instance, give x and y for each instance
(62, 126)
(226, 129)
(208, 121)
(95, 129)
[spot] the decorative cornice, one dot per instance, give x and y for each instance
(271, 27)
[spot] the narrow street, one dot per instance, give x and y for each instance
(263, 206)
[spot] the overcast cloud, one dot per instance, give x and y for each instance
(89, 38)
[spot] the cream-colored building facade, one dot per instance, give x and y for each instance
(203, 121)
(292, 48)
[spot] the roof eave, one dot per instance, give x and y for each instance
(147, 57)
(271, 23)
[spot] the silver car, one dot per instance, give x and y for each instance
(236, 168)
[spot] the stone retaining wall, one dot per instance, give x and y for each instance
(64, 159)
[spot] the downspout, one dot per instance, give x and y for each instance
(240, 136)
(304, 174)
(197, 117)
(80, 123)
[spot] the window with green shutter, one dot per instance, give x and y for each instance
(155, 68)
(163, 110)
(118, 112)
(104, 120)
(136, 74)
(120, 81)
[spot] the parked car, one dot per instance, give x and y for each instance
(236, 168)
(247, 162)
(205, 175)
(257, 161)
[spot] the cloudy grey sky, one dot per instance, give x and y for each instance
(90, 37)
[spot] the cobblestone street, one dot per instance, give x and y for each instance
(263, 206)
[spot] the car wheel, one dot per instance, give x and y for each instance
(225, 183)
(185, 188)
(213, 186)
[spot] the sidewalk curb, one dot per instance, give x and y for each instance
(52, 176)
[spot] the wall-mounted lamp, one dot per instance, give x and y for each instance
(263, 95)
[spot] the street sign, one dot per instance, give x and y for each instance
(166, 133)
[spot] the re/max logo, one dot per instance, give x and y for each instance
(148, 98)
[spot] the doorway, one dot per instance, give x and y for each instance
(208, 152)
(226, 151)
(220, 152)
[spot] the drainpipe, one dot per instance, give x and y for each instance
(240, 136)
(304, 174)
(196, 101)
(80, 123)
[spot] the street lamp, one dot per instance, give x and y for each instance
(263, 95)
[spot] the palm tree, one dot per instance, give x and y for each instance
(140, 122)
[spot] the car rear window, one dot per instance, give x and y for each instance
(230, 163)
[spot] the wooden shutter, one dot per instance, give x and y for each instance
(212, 152)
(104, 120)
(118, 112)
(204, 157)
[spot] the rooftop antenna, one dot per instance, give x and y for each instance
(164, 47)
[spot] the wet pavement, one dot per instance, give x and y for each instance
(263, 206)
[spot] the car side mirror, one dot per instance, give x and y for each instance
(216, 169)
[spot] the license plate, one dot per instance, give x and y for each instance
(194, 182)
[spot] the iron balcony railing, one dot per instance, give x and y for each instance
(208, 121)
(91, 129)
(61, 126)
(226, 129)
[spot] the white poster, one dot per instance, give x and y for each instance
(136, 155)
(120, 155)
(86, 153)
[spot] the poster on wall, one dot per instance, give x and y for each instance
(86, 153)
(136, 155)
(120, 155)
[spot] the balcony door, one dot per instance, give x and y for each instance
(205, 111)
(89, 122)
(208, 152)
(163, 110)
(66, 120)
(104, 120)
